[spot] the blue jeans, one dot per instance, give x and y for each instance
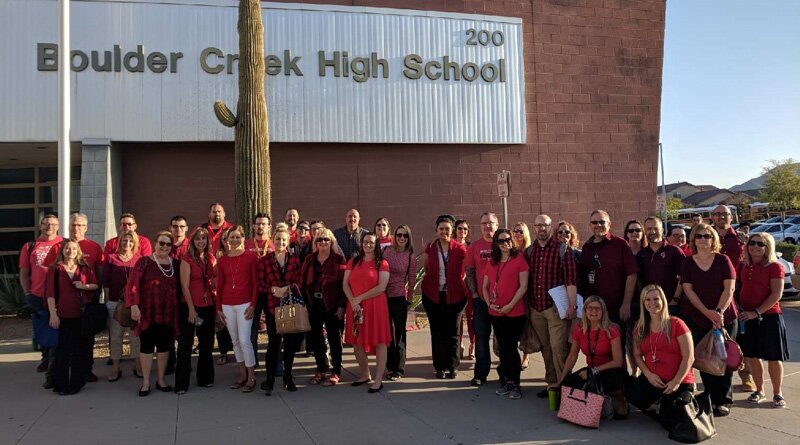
(48, 355)
(483, 332)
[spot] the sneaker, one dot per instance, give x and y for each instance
(748, 385)
(515, 393)
(504, 390)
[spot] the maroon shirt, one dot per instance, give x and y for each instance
(456, 288)
(611, 261)
(156, 294)
(179, 250)
(326, 278)
(548, 271)
(756, 286)
(708, 285)
(661, 267)
(145, 248)
(201, 274)
(116, 274)
(70, 300)
(732, 247)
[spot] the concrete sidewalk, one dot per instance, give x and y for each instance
(417, 410)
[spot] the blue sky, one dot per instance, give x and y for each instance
(731, 92)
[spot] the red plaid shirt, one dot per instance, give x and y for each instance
(270, 274)
(548, 271)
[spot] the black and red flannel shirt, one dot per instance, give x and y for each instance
(270, 275)
(548, 271)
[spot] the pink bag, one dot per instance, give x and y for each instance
(581, 407)
(735, 359)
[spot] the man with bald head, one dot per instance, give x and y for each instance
(348, 237)
(551, 265)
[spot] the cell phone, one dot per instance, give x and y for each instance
(198, 321)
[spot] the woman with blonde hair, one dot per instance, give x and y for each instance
(567, 234)
(663, 350)
(118, 267)
(521, 236)
(599, 341)
(708, 278)
(764, 333)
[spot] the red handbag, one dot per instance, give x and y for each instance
(735, 359)
(581, 407)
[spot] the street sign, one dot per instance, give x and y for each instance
(502, 184)
(661, 203)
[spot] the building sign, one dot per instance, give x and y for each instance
(150, 70)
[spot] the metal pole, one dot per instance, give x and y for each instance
(663, 186)
(63, 113)
(505, 210)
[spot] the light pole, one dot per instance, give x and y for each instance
(63, 112)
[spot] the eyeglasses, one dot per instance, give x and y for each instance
(164, 244)
(564, 232)
(520, 231)
(302, 228)
(381, 225)
(593, 309)
(503, 241)
(598, 223)
(78, 225)
(721, 214)
(462, 228)
(634, 230)
(757, 243)
(541, 226)
(678, 235)
(401, 235)
(176, 226)
(126, 224)
(703, 236)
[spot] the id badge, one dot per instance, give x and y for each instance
(591, 277)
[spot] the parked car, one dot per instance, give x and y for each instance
(772, 220)
(792, 234)
(788, 270)
(777, 230)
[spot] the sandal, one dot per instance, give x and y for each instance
(756, 397)
(237, 384)
(332, 380)
(318, 377)
(250, 386)
(779, 401)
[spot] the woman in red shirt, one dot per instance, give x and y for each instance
(382, 230)
(279, 278)
(462, 236)
(764, 336)
(664, 352)
(152, 295)
(237, 291)
(66, 285)
(599, 340)
(708, 279)
(118, 267)
(504, 284)
(196, 313)
(367, 328)
(444, 295)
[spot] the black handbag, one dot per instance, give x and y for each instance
(688, 418)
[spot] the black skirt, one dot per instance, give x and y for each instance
(765, 339)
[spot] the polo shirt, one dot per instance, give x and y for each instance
(661, 267)
(605, 267)
(732, 247)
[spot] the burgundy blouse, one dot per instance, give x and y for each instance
(155, 293)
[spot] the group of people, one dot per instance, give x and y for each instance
(648, 301)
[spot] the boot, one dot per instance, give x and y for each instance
(620, 405)
(268, 385)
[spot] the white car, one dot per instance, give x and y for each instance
(776, 230)
(792, 234)
(788, 270)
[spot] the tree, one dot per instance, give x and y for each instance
(252, 188)
(782, 185)
(673, 205)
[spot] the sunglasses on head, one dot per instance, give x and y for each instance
(703, 236)
(757, 243)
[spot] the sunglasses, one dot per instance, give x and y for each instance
(541, 226)
(597, 223)
(381, 225)
(323, 240)
(703, 236)
(302, 228)
(164, 244)
(518, 231)
(564, 232)
(126, 224)
(634, 230)
(757, 243)
(504, 241)
(463, 228)
(401, 235)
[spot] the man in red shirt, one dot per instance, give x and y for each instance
(291, 220)
(216, 225)
(660, 263)
(677, 237)
(178, 227)
(94, 257)
(34, 259)
(733, 248)
(261, 242)
(551, 265)
(128, 222)
(478, 255)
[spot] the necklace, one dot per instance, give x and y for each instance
(169, 272)
(653, 350)
(235, 270)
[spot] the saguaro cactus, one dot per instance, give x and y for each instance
(252, 188)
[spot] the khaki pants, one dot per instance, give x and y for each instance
(116, 333)
(554, 335)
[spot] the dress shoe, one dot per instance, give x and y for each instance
(48, 384)
(361, 382)
(90, 377)
(165, 388)
(289, 385)
(144, 392)
(441, 375)
(115, 377)
(477, 382)
(374, 390)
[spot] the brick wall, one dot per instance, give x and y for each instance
(593, 88)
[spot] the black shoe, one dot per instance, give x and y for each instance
(41, 367)
(144, 392)
(361, 382)
(165, 388)
(48, 384)
(268, 386)
(109, 362)
(137, 373)
(452, 374)
(69, 391)
(289, 385)
(543, 394)
(90, 377)
(374, 390)
(440, 375)
(477, 382)
(722, 410)
(393, 376)
(205, 385)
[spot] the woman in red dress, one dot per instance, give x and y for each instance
(152, 295)
(368, 328)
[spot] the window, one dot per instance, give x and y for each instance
(26, 195)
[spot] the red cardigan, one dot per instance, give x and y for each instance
(456, 288)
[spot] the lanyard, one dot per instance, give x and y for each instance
(444, 257)
(593, 349)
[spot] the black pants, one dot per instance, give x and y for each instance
(508, 331)
(261, 306)
(205, 346)
(323, 319)
(623, 328)
(224, 341)
(444, 322)
(718, 388)
(291, 344)
(396, 352)
(70, 361)
(612, 379)
(641, 394)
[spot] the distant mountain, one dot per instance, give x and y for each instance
(755, 183)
